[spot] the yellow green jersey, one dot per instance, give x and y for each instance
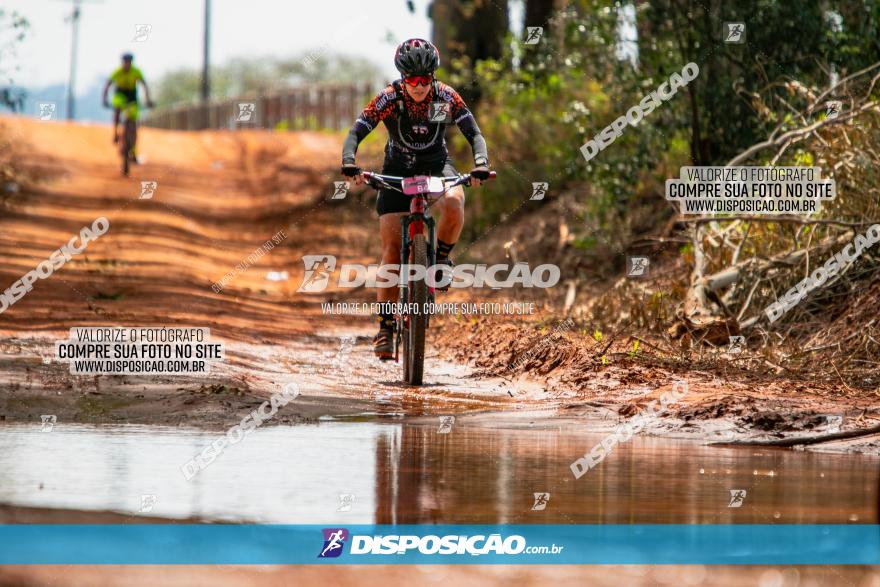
(126, 81)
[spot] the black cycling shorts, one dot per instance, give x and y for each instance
(391, 201)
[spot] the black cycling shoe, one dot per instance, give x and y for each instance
(383, 344)
(438, 276)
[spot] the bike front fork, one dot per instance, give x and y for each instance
(406, 222)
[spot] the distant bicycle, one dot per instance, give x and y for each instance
(129, 136)
(417, 249)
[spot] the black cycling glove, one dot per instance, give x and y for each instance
(481, 172)
(350, 170)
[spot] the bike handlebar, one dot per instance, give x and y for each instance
(373, 178)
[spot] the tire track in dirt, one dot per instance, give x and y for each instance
(220, 196)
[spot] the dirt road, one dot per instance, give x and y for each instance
(180, 257)
(219, 196)
(190, 255)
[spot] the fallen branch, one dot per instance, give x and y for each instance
(798, 134)
(731, 275)
(789, 442)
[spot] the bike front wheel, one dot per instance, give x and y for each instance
(414, 335)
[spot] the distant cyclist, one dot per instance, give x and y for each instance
(416, 146)
(125, 80)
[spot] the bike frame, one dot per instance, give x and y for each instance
(418, 219)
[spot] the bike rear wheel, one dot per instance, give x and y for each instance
(127, 145)
(414, 336)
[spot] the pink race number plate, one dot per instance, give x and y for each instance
(416, 185)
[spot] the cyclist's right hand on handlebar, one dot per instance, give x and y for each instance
(353, 171)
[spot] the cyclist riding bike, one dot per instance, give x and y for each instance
(416, 146)
(125, 79)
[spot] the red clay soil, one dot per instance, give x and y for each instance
(220, 196)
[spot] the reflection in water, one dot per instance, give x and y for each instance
(278, 475)
(364, 472)
(474, 475)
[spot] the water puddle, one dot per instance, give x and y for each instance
(399, 472)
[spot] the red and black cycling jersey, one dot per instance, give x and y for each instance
(413, 140)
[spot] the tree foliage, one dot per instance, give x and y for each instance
(538, 112)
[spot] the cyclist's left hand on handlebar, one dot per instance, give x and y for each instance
(151, 104)
(479, 174)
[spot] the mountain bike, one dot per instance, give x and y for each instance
(129, 135)
(418, 249)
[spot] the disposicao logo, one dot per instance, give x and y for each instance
(334, 540)
(319, 269)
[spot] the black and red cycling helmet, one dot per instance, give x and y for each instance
(416, 57)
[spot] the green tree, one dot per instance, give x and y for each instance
(537, 113)
(804, 40)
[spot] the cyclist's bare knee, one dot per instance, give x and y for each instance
(456, 196)
(453, 203)
(389, 231)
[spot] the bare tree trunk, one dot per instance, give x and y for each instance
(538, 12)
(441, 17)
(470, 29)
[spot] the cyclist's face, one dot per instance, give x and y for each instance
(126, 64)
(417, 93)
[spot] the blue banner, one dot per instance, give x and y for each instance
(152, 544)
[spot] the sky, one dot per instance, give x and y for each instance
(240, 28)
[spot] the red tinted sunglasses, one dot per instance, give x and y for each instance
(415, 80)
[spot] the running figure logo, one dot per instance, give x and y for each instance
(142, 32)
(340, 190)
(832, 109)
(638, 266)
(318, 270)
(47, 422)
(539, 190)
(533, 35)
(734, 32)
(446, 423)
(737, 497)
(246, 112)
(148, 500)
(47, 110)
(736, 344)
(541, 500)
(148, 188)
(346, 500)
(340, 362)
(439, 112)
(334, 540)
